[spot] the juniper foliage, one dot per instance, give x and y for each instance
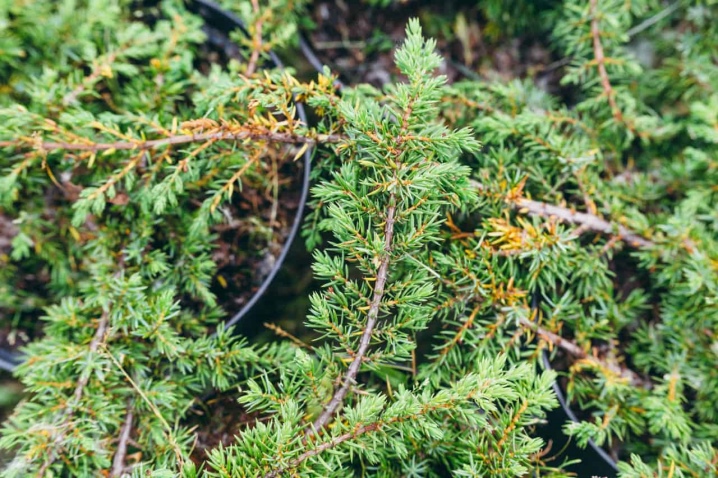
(460, 231)
(112, 240)
(602, 210)
(384, 205)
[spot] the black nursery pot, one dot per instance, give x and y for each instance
(595, 461)
(219, 23)
(224, 22)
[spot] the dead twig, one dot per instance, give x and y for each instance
(228, 134)
(555, 339)
(577, 352)
(586, 222)
(283, 333)
(589, 221)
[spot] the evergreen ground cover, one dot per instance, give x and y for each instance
(460, 229)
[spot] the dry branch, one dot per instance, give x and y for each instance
(577, 352)
(588, 221)
(225, 134)
(118, 462)
(585, 221)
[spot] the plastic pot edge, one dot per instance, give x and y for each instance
(600, 452)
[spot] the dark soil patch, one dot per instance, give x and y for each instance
(358, 41)
(249, 244)
(216, 422)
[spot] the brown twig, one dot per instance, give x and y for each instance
(555, 339)
(372, 316)
(585, 221)
(601, 61)
(256, 40)
(222, 135)
(229, 185)
(465, 327)
(577, 352)
(591, 222)
(118, 463)
(511, 426)
(77, 396)
(283, 333)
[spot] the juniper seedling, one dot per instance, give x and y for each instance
(384, 204)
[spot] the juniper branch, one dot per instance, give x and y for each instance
(601, 61)
(256, 40)
(372, 316)
(77, 396)
(586, 221)
(589, 221)
(323, 447)
(118, 463)
(223, 135)
(578, 352)
(376, 426)
(151, 405)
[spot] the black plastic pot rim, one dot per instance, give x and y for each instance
(564, 402)
(226, 22)
(572, 416)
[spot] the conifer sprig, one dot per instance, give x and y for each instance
(396, 167)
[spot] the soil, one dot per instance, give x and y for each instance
(249, 245)
(217, 422)
(357, 41)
